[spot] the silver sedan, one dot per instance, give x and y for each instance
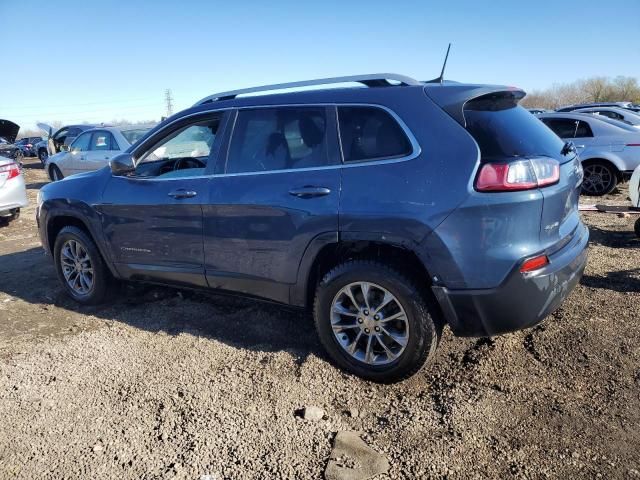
(92, 150)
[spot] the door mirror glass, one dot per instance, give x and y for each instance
(122, 165)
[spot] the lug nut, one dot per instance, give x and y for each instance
(377, 329)
(366, 312)
(366, 330)
(360, 320)
(376, 317)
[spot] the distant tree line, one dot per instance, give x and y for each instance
(57, 124)
(595, 89)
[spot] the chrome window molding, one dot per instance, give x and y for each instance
(416, 150)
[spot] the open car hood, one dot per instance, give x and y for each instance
(48, 129)
(9, 130)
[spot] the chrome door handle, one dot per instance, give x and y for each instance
(182, 193)
(309, 192)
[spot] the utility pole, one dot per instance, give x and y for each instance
(168, 101)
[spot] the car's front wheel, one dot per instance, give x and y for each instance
(80, 267)
(55, 174)
(374, 322)
(600, 178)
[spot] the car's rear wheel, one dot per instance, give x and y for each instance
(80, 267)
(374, 322)
(600, 178)
(55, 174)
(43, 155)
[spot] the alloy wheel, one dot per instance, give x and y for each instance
(77, 267)
(369, 323)
(597, 179)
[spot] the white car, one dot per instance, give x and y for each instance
(634, 195)
(92, 150)
(13, 193)
(609, 150)
(615, 113)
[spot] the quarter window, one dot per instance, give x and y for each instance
(268, 139)
(370, 133)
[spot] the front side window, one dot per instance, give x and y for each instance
(267, 139)
(370, 133)
(81, 144)
(187, 147)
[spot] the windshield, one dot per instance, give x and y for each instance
(133, 136)
(504, 130)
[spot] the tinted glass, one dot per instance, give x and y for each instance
(583, 130)
(279, 138)
(562, 127)
(81, 144)
(101, 141)
(503, 129)
(369, 133)
(133, 136)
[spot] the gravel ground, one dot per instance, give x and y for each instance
(167, 383)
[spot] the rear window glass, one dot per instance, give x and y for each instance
(370, 133)
(133, 136)
(503, 129)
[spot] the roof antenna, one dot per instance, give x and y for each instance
(440, 79)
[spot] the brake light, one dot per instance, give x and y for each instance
(534, 263)
(633, 144)
(518, 175)
(11, 170)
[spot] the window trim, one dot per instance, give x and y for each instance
(416, 150)
(228, 126)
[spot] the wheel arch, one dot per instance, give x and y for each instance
(327, 251)
(605, 157)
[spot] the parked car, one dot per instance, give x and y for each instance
(13, 193)
(55, 141)
(536, 111)
(615, 113)
(92, 150)
(634, 195)
(571, 108)
(27, 145)
(8, 149)
(389, 211)
(609, 150)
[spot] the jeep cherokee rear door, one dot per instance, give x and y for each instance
(278, 189)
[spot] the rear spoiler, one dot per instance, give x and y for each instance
(452, 97)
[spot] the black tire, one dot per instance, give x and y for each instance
(636, 227)
(103, 282)
(55, 174)
(600, 178)
(424, 320)
(43, 155)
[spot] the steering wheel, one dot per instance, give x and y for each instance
(188, 162)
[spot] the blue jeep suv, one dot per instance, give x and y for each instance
(389, 209)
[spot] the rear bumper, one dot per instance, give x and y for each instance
(523, 300)
(13, 194)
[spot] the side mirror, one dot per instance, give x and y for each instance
(122, 164)
(64, 148)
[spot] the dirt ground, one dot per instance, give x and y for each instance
(168, 383)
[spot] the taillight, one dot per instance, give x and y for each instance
(10, 169)
(518, 175)
(534, 263)
(633, 145)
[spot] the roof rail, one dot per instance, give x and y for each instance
(370, 80)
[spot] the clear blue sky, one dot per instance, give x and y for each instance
(102, 60)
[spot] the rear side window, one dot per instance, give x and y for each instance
(370, 133)
(503, 129)
(268, 139)
(583, 130)
(568, 127)
(103, 141)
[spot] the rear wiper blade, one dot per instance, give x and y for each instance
(568, 148)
